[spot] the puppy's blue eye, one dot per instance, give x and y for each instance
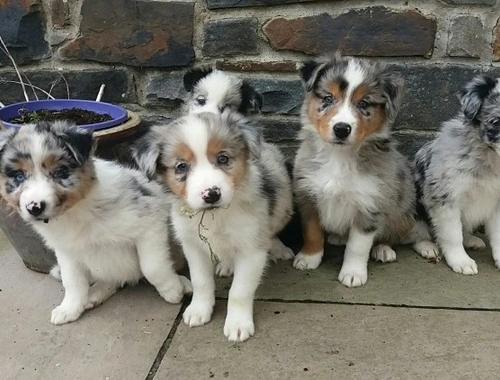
(181, 168)
(20, 177)
(222, 159)
(328, 100)
(60, 173)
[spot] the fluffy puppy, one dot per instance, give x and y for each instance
(231, 196)
(458, 179)
(349, 179)
(105, 223)
(212, 90)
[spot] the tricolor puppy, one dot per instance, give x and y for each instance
(349, 179)
(106, 224)
(231, 196)
(458, 179)
(212, 90)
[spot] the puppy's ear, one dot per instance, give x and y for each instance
(77, 141)
(251, 100)
(194, 76)
(393, 88)
(474, 94)
(310, 71)
(146, 152)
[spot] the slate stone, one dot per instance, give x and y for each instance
(282, 96)
(213, 4)
(283, 66)
(471, 2)
(375, 31)
(230, 37)
(466, 37)
(22, 27)
(163, 89)
(135, 32)
(496, 42)
(83, 84)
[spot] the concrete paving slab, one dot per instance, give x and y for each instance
(324, 341)
(411, 280)
(118, 340)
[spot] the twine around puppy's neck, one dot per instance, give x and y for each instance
(190, 213)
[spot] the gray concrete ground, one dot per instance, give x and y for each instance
(413, 320)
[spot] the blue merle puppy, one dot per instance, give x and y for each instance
(458, 179)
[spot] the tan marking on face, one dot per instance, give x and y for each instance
(366, 126)
(85, 180)
(182, 152)
(311, 231)
(50, 163)
(358, 94)
(214, 147)
(240, 167)
(320, 119)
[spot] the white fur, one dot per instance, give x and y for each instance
(104, 241)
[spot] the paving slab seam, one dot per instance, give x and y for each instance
(277, 300)
(166, 344)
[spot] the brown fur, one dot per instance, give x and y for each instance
(321, 121)
(312, 231)
(367, 126)
(182, 152)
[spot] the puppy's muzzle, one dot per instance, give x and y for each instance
(211, 195)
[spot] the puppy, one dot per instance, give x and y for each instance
(231, 196)
(212, 90)
(458, 179)
(105, 223)
(349, 179)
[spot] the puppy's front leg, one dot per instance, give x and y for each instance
(76, 292)
(158, 267)
(448, 230)
(354, 271)
(201, 269)
(493, 232)
(311, 254)
(248, 269)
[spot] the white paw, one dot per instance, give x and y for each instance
(462, 264)
(173, 291)
(383, 253)
(473, 242)
(426, 249)
(337, 240)
(224, 269)
(239, 328)
(63, 314)
(280, 251)
(353, 276)
(304, 262)
(197, 314)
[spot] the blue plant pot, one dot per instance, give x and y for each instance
(118, 114)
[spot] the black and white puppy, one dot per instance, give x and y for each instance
(458, 179)
(106, 223)
(218, 165)
(212, 90)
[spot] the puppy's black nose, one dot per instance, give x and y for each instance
(211, 195)
(342, 130)
(36, 208)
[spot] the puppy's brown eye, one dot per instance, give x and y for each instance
(328, 100)
(60, 173)
(201, 100)
(222, 159)
(181, 168)
(363, 105)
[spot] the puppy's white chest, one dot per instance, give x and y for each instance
(341, 192)
(480, 200)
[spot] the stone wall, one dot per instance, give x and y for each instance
(141, 48)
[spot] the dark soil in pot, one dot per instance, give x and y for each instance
(76, 115)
